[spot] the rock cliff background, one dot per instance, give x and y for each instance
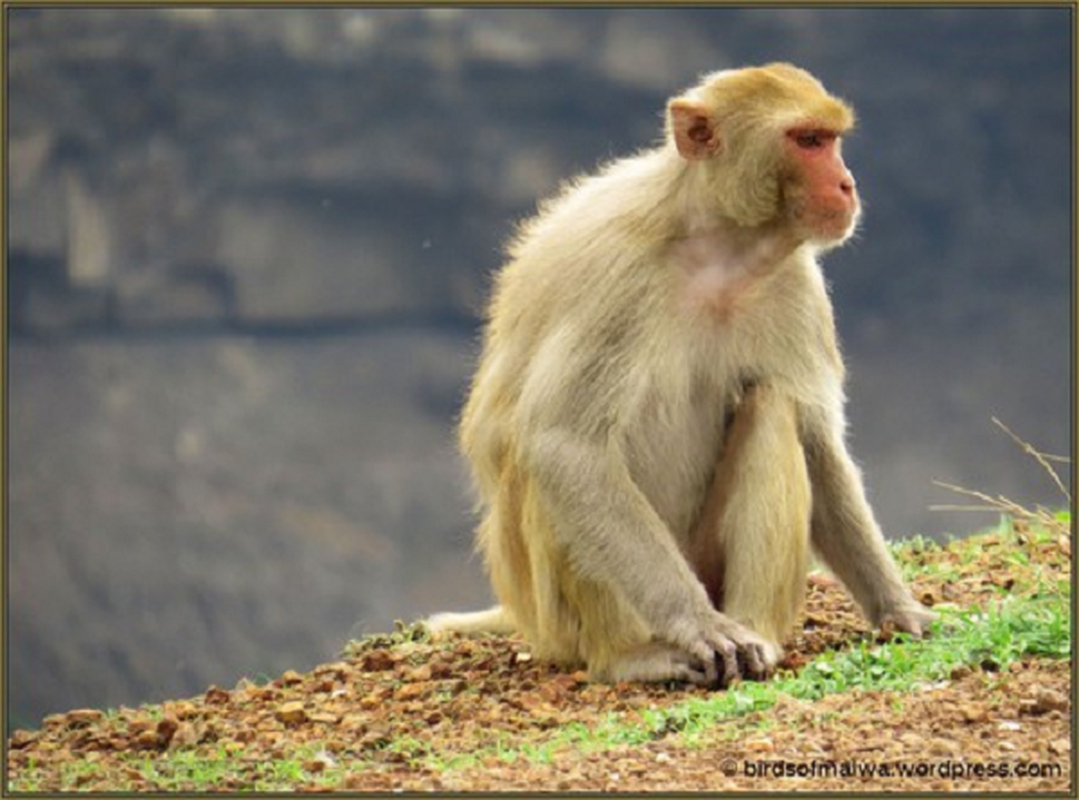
(248, 249)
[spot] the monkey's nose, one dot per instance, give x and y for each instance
(846, 186)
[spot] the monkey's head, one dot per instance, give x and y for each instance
(767, 143)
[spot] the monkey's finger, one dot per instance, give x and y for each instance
(726, 658)
(914, 628)
(705, 655)
(697, 677)
(752, 662)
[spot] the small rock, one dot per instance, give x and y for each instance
(1047, 700)
(320, 762)
(325, 718)
(185, 736)
(1009, 746)
(184, 709)
(377, 661)
(21, 738)
(441, 670)
(338, 669)
(166, 729)
(422, 673)
(291, 677)
(975, 712)
(84, 716)
(374, 738)
(960, 672)
(1060, 747)
(760, 746)
(786, 703)
(1009, 725)
(411, 691)
(353, 722)
(943, 747)
(215, 695)
(291, 713)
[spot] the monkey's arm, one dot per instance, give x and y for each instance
(846, 535)
(608, 528)
(613, 536)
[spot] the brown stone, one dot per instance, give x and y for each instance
(291, 713)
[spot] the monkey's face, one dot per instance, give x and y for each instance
(818, 189)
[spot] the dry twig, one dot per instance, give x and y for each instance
(1000, 503)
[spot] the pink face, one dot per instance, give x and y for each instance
(822, 196)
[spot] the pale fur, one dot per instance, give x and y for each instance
(637, 314)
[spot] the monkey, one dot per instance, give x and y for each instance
(656, 424)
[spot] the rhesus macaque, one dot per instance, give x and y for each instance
(656, 425)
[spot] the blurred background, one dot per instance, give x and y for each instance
(248, 250)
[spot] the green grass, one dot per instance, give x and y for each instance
(188, 771)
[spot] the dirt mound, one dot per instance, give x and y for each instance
(404, 712)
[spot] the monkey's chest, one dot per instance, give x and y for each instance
(714, 285)
(675, 450)
(723, 276)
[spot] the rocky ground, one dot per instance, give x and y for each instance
(402, 712)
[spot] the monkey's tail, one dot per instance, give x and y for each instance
(492, 620)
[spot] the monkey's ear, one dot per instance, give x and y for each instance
(695, 133)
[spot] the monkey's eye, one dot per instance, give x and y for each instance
(811, 140)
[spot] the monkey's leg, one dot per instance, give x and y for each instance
(762, 503)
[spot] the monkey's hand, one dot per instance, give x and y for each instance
(910, 617)
(725, 650)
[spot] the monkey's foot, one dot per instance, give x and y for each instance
(728, 650)
(656, 662)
